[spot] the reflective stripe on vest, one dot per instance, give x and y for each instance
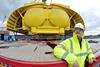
(63, 46)
(71, 46)
(80, 54)
(71, 50)
(64, 55)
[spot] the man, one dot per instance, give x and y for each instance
(76, 49)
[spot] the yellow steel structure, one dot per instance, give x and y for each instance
(39, 18)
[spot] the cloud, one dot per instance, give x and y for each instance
(8, 6)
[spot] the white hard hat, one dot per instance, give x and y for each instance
(79, 25)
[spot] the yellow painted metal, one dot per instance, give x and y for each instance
(34, 17)
(47, 30)
(47, 20)
(39, 18)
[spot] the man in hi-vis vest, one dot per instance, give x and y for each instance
(75, 50)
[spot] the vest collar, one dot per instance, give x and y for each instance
(75, 37)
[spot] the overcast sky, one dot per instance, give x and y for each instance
(88, 9)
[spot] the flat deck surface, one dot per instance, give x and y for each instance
(36, 52)
(33, 51)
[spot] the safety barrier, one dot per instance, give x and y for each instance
(15, 63)
(6, 62)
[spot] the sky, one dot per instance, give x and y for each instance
(88, 9)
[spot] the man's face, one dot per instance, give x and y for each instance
(79, 32)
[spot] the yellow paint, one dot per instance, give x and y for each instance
(39, 18)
